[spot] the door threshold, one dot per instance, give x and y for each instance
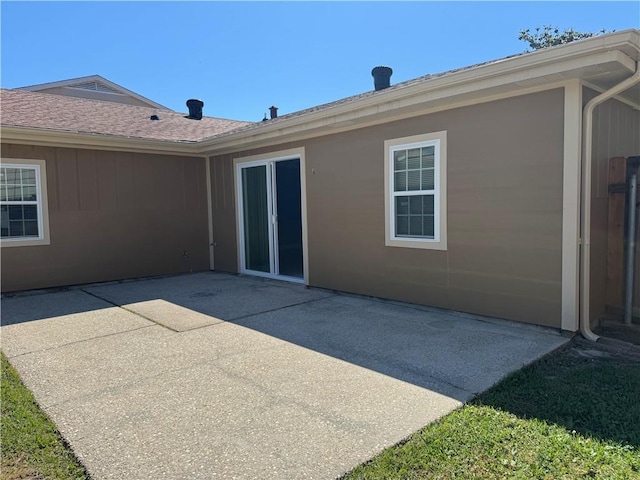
(284, 278)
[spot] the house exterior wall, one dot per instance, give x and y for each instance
(615, 134)
(505, 161)
(112, 215)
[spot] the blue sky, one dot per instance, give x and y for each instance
(242, 57)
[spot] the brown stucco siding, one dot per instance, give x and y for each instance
(504, 212)
(615, 134)
(113, 215)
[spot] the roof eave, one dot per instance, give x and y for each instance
(57, 138)
(538, 70)
(543, 67)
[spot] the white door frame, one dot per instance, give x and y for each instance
(269, 160)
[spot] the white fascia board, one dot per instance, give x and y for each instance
(54, 138)
(518, 72)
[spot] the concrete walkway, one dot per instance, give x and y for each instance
(217, 376)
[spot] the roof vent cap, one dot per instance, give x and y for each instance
(381, 77)
(195, 108)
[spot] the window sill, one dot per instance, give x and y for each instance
(416, 243)
(35, 242)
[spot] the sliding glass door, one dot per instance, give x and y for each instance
(257, 228)
(271, 218)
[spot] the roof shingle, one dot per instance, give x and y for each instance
(78, 115)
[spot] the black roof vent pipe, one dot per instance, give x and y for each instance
(195, 108)
(273, 111)
(381, 77)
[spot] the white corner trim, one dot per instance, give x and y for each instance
(571, 206)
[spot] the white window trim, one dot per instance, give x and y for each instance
(43, 204)
(440, 201)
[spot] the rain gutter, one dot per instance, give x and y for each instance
(587, 154)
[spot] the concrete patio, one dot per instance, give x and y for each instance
(218, 376)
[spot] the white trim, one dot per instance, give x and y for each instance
(571, 206)
(303, 206)
(269, 159)
(284, 278)
(272, 230)
(42, 203)
(237, 192)
(540, 68)
(56, 138)
(95, 141)
(72, 82)
(439, 140)
(210, 212)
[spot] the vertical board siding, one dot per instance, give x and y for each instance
(88, 186)
(505, 161)
(67, 185)
(106, 175)
(125, 186)
(223, 214)
(113, 215)
(616, 127)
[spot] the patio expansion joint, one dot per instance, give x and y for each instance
(222, 322)
(80, 341)
(136, 381)
(133, 312)
(262, 312)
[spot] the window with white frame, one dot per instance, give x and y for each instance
(415, 171)
(22, 203)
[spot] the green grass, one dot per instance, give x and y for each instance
(32, 447)
(568, 416)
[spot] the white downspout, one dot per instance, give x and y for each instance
(587, 140)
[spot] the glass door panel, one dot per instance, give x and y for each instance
(255, 202)
(289, 218)
(270, 208)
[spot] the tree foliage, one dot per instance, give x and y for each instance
(550, 36)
